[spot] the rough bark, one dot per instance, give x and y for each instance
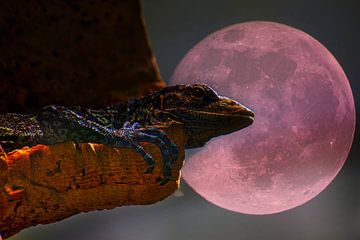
(78, 52)
(44, 184)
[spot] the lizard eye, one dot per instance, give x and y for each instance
(198, 93)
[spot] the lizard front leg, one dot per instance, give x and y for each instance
(61, 124)
(168, 149)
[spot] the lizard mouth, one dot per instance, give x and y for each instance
(206, 120)
(219, 118)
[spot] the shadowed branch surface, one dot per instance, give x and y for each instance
(44, 184)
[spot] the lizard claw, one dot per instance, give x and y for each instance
(149, 169)
(164, 181)
(168, 149)
(131, 135)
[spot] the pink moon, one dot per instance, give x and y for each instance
(304, 123)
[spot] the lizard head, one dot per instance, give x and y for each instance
(203, 113)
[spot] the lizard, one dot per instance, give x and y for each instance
(202, 113)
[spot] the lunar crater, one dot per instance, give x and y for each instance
(277, 65)
(233, 36)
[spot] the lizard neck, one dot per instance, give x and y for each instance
(138, 110)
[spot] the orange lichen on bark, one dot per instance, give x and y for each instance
(44, 184)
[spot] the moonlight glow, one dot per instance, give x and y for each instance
(304, 122)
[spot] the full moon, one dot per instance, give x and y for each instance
(304, 122)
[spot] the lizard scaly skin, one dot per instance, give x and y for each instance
(197, 107)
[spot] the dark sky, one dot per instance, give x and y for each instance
(175, 27)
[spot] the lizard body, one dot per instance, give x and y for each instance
(197, 107)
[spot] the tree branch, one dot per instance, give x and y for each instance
(44, 184)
